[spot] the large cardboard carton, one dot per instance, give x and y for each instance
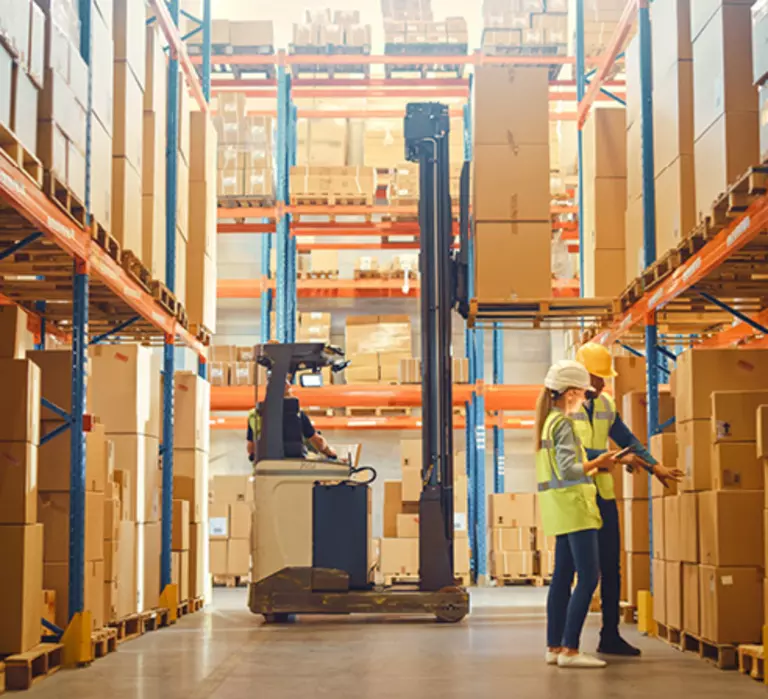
(731, 600)
(636, 530)
(21, 581)
(724, 518)
(412, 485)
(638, 574)
(18, 483)
(238, 557)
(694, 454)
(190, 480)
(53, 513)
(512, 510)
(180, 528)
(399, 557)
(664, 450)
(393, 506)
(407, 526)
(673, 113)
(127, 597)
(688, 504)
(240, 520)
(733, 415)
(659, 591)
(53, 458)
(20, 411)
(762, 432)
(605, 145)
(674, 595)
(513, 539)
(218, 557)
(658, 528)
(197, 572)
(180, 573)
(228, 489)
(127, 205)
(634, 411)
(672, 32)
(691, 598)
(635, 485)
(675, 203)
(192, 396)
(16, 337)
(735, 466)
(56, 577)
(138, 456)
(127, 140)
(672, 530)
(148, 547)
(605, 205)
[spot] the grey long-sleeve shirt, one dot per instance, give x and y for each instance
(567, 453)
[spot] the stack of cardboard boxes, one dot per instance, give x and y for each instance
(323, 142)
(21, 538)
(228, 36)
(244, 151)
(398, 34)
(124, 391)
(725, 108)
(229, 526)
(406, 9)
(673, 122)
(511, 183)
(511, 23)
(512, 521)
(633, 229)
(330, 33)
(234, 366)
(376, 345)
(760, 69)
(713, 569)
(605, 191)
(399, 547)
(120, 577)
(191, 448)
(338, 185)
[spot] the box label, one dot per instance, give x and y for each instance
(218, 526)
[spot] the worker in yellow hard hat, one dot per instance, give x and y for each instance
(596, 422)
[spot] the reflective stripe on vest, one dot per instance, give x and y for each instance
(594, 434)
(555, 482)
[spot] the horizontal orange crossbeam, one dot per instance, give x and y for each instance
(739, 334)
(332, 423)
(235, 398)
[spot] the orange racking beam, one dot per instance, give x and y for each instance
(331, 423)
(608, 58)
(234, 398)
(740, 334)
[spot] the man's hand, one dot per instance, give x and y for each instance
(330, 452)
(634, 461)
(667, 475)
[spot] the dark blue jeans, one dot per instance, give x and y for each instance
(609, 543)
(567, 612)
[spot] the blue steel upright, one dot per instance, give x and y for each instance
(169, 363)
(498, 431)
(293, 307)
(282, 241)
(649, 227)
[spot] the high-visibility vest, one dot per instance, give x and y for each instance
(594, 435)
(566, 505)
(254, 422)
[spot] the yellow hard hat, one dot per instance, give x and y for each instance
(597, 360)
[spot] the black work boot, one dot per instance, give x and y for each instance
(616, 645)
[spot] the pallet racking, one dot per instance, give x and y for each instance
(56, 269)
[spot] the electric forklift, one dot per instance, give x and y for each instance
(311, 523)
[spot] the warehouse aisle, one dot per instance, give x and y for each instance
(224, 654)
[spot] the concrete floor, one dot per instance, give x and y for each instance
(224, 653)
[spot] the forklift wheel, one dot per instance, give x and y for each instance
(448, 612)
(277, 618)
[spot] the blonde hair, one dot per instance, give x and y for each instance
(544, 404)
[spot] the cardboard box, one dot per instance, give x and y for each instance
(658, 529)
(53, 470)
(393, 506)
(638, 574)
(694, 454)
(688, 506)
(691, 583)
(399, 557)
(674, 595)
(180, 573)
(16, 337)
(56, 577)
(762, 432)
(111, 559)
(238, 557)
(240, 520)
(412, 485)
(20, 414)
(228, 489)
(407, 526)
(101, 174)
(126, 205)
(124, 493)
(675, 203)
(636, 529)
(672, 114)
(21, 579)
(512, 510)
(218, 557)
(513, 539)
(731, 599)
(672, 23)
(53, 513)
(192, 399)
(218, 521)
(635, 485)
(180, 528)
(112, 519)
(148, 537)
(735, 466)
(604, 215)
(127, 139)
(138, 456)
(664, 450)
(733, 415)
(731, 528)
(659, 591)
(497, 90)
(129, 31)
(18, 483)
(605, 144)
(511, 183)
(513, 260)
(634, 412)
(193, 492)
(673, 532)
(197, 570)
(124, 389)
(604, 273)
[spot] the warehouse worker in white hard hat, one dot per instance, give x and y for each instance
(569, 511)
(596, 422)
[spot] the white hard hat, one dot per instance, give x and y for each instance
(567, 374)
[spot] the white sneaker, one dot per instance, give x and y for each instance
(551, 657)
(580, 660)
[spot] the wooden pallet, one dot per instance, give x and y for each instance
(128, 628)
(181, 316)
(164, 297)
(328, 274)
(154, 619)
(24, 159)
(670, 635)
(182, 609)
(230, 581)
(751, 661)
(255, 201)
(64, 198)
(740, 195)
(367, 274)
(136, 270)
(661, 269)
(26, 669)
(201, 333)
(516, 581)
(722, 655)
(628, 612)
(103, 642)
(105, 241)
(197, 604)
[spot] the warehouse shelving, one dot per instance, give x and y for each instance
(53, 267)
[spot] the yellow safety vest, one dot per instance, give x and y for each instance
(566, 506)
(593, 434)
(254, 422)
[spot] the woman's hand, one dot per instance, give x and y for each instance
(605, 462)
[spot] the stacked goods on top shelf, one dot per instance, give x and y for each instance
(511, 199)
(323, 142)
(713, 528)
(229, 526)
(234, 366)
(673, 123)
(760, 68)
(376, 345)
(406, 9)
(409, 36)
(399, 547)
(323, 33)
(525, 26)
(605, 190)
(229, 37)
(340, 185)
(725, 106)
(244, 151)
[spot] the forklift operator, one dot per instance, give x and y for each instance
(311, 438)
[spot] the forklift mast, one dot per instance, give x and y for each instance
(426, 143)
